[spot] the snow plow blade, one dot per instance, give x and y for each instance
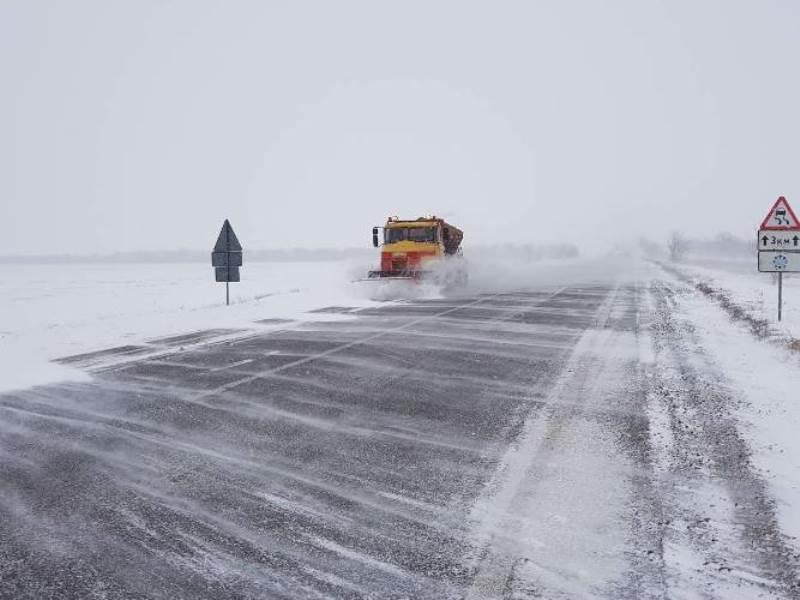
(413, 275)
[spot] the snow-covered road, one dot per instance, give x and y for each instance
(641, 477)
(608, 440)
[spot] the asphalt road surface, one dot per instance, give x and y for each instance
(517, 445)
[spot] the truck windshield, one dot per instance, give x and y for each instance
(412, 234)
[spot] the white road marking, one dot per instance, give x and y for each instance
(232, 365)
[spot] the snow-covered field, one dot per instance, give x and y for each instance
(51, 311)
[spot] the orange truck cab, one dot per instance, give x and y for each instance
(409, 247)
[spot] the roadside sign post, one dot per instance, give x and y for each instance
(779, 244)
(226, 258)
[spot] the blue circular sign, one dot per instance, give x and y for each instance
(780, 262)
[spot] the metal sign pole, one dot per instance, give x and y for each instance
(228, 296)
(780, 294)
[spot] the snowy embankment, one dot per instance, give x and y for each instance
(51, 311)
(752, 294)
(763, 371)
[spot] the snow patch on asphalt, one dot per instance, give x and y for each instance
(23, 368)
(546, 522)
(383, 290)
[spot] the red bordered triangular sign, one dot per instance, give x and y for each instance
(781, 217)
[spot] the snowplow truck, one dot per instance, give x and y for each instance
(412, 248)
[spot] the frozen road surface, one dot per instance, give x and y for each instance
(580, 441)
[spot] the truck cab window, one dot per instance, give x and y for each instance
(395, 234)
(422, 234)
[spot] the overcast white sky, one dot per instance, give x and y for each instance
(136, 125)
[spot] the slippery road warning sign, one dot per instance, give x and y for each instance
(779, 244)
(781, 217)
(226, 258)
(779, 235)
